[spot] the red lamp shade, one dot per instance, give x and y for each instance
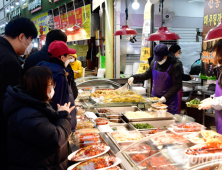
(163, 34)
(125, 30)
(215, 33)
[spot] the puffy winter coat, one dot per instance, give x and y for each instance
(37, 135)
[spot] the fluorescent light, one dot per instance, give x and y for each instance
(3, 25)
(135, 5)
(7, 10)
(12, 7)
(43, 42)
(17, 3)
(70, 29)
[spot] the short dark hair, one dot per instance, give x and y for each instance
(36, 81)
(217, 49)
(55, 35)
(21, 25)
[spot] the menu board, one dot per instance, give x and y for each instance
(212, 17)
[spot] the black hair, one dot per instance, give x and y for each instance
(21, 25)
(55, 35)
(174, 48)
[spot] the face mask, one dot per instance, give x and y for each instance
(179, 56)
(67, 63)
(28, 49)
(71, 60)
(50, 95)
(161, 62)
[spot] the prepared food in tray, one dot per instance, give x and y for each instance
(194, 103)
(168, 138)
(151, 132)
(97, 163)
(80, 112)
(86, 130)
(153, 99)
(143, 126)
(88, 137)
(138, 114)
(101, 121)
(154, 163)
(84, 124)
(127, 136)
(118, 96)
(88, 152)
(142, 148)
(203, 137)
(103, 110)
(210, 148)
(159, 105)
(187, 127)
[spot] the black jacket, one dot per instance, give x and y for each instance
(10, 74)
(36, 57)
(37, 135)
(63, 93)
(175, 72)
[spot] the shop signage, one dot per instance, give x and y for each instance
(81, 49)
(212, 17)
(81, 32)
(16, 12)
(35, 6)
(40, 20)
(25, 5)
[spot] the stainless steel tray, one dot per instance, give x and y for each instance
(167, 117)
(126, 125)
(118, 109)
(161, 124)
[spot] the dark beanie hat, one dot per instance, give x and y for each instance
(174, 48)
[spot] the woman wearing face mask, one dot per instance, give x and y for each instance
(167, 77)
(59, 60)
(76, 66)
(37, 134)
(176, 51)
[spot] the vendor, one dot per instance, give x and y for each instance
(76, 66)
(216, 100)
(176, 50)
(167, 77)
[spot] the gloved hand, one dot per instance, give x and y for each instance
(206, 104)
(162, 99)
(130, 80)
(206, 100)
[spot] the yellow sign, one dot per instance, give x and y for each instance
(147, 11)
(145, 54)
(40, 20)
(142, 68)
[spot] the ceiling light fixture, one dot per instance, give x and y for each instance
(163, 34)
(125, 30)
(12, 7)
(215, 33)
(135, 5)
(17, 3)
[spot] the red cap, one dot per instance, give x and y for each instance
(59, 48)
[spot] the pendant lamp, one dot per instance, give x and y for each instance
(215, 33)
(163, 34)
(125, 30)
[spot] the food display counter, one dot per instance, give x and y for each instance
(139, 140)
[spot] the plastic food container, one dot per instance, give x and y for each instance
(187, 127)
(115, 120)
(88, 137)
(113, 115)
(101, 121)
(82, 145)
(192, 105)
(80, 112)
(84, 124)
(87, 130)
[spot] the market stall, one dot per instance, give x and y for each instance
(125, 137)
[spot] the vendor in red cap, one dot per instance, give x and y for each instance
(167, 77)
(59, 60)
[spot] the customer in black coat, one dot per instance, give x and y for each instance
(17, 41)
(42, 55)
(37, 134)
